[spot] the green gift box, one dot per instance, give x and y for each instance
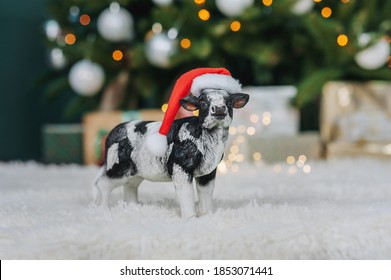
(62, 143)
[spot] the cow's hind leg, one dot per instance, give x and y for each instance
(104, 186)
(131, 189)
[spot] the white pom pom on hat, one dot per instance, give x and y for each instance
(192, 82)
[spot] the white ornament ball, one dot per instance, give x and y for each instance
(159, 50)
(52, 29)
(86, 77)
(115, 24)
(375, 56)
(302, 6)
(233, 8)
(57, 58)
(162, 3)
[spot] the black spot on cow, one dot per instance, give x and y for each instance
(193, 126)
(125, 167)
(141, 127)
(186, 155)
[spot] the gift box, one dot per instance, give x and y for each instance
(97, 126)
(62, 143)
(356, 119)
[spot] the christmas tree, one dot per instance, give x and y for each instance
(127, 54)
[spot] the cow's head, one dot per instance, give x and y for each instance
(215, 105)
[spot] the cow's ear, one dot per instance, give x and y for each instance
(190, 103)
(239, 100)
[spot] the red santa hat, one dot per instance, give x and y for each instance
(192, 82)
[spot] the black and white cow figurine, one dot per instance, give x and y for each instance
(195, 148)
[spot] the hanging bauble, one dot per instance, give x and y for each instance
(162, 3)
(52, 29)
(115, 24)
(375, 55)
(233, 8)
(74, 14)
(57, 58)
(86, 77)
(302, 6)
(159, 49)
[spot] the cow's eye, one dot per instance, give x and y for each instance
(203, 105)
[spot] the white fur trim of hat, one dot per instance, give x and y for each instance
(215, 81)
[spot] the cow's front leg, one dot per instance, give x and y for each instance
(184, 191)
(205, 187)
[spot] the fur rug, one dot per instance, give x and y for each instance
(340, 210)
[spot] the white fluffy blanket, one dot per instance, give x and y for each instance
(340, 210)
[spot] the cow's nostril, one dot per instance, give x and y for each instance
(213, 109)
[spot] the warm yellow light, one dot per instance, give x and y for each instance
(185, 43)
(257, 156)
(290, 160)
(235, 26)
(204, 14)
(117, 55)
(70, 39)
(326, 12)
(307, 168)
(345, 1)
(231, 157)
(267, 2)
(84, 19)
(254, 118)
(302, 158)
(232, 130)
(342, 40)
(239, 158)
(266, 120)
(164, 107)
(199, 2)
(317, 1)
(251, 131)
(234, 149)
(241, 129)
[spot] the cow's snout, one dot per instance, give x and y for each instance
(219, 111)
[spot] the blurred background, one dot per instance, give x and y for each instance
(318, 73)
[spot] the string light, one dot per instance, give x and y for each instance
(326, 12)
(70, 39)
(345, 1)
(307, 169)
(317, 1)
(204, 14)
(267, 2)
(342, 40)
(257, 156)
(117, 55)
(250, 130)
(235, 26)
(254, 118)
(84, 19)
(199, 2)
(267, 118)
(241, 129)
(185, 43)
(290, 160)
(232, 130)
(164, 107)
